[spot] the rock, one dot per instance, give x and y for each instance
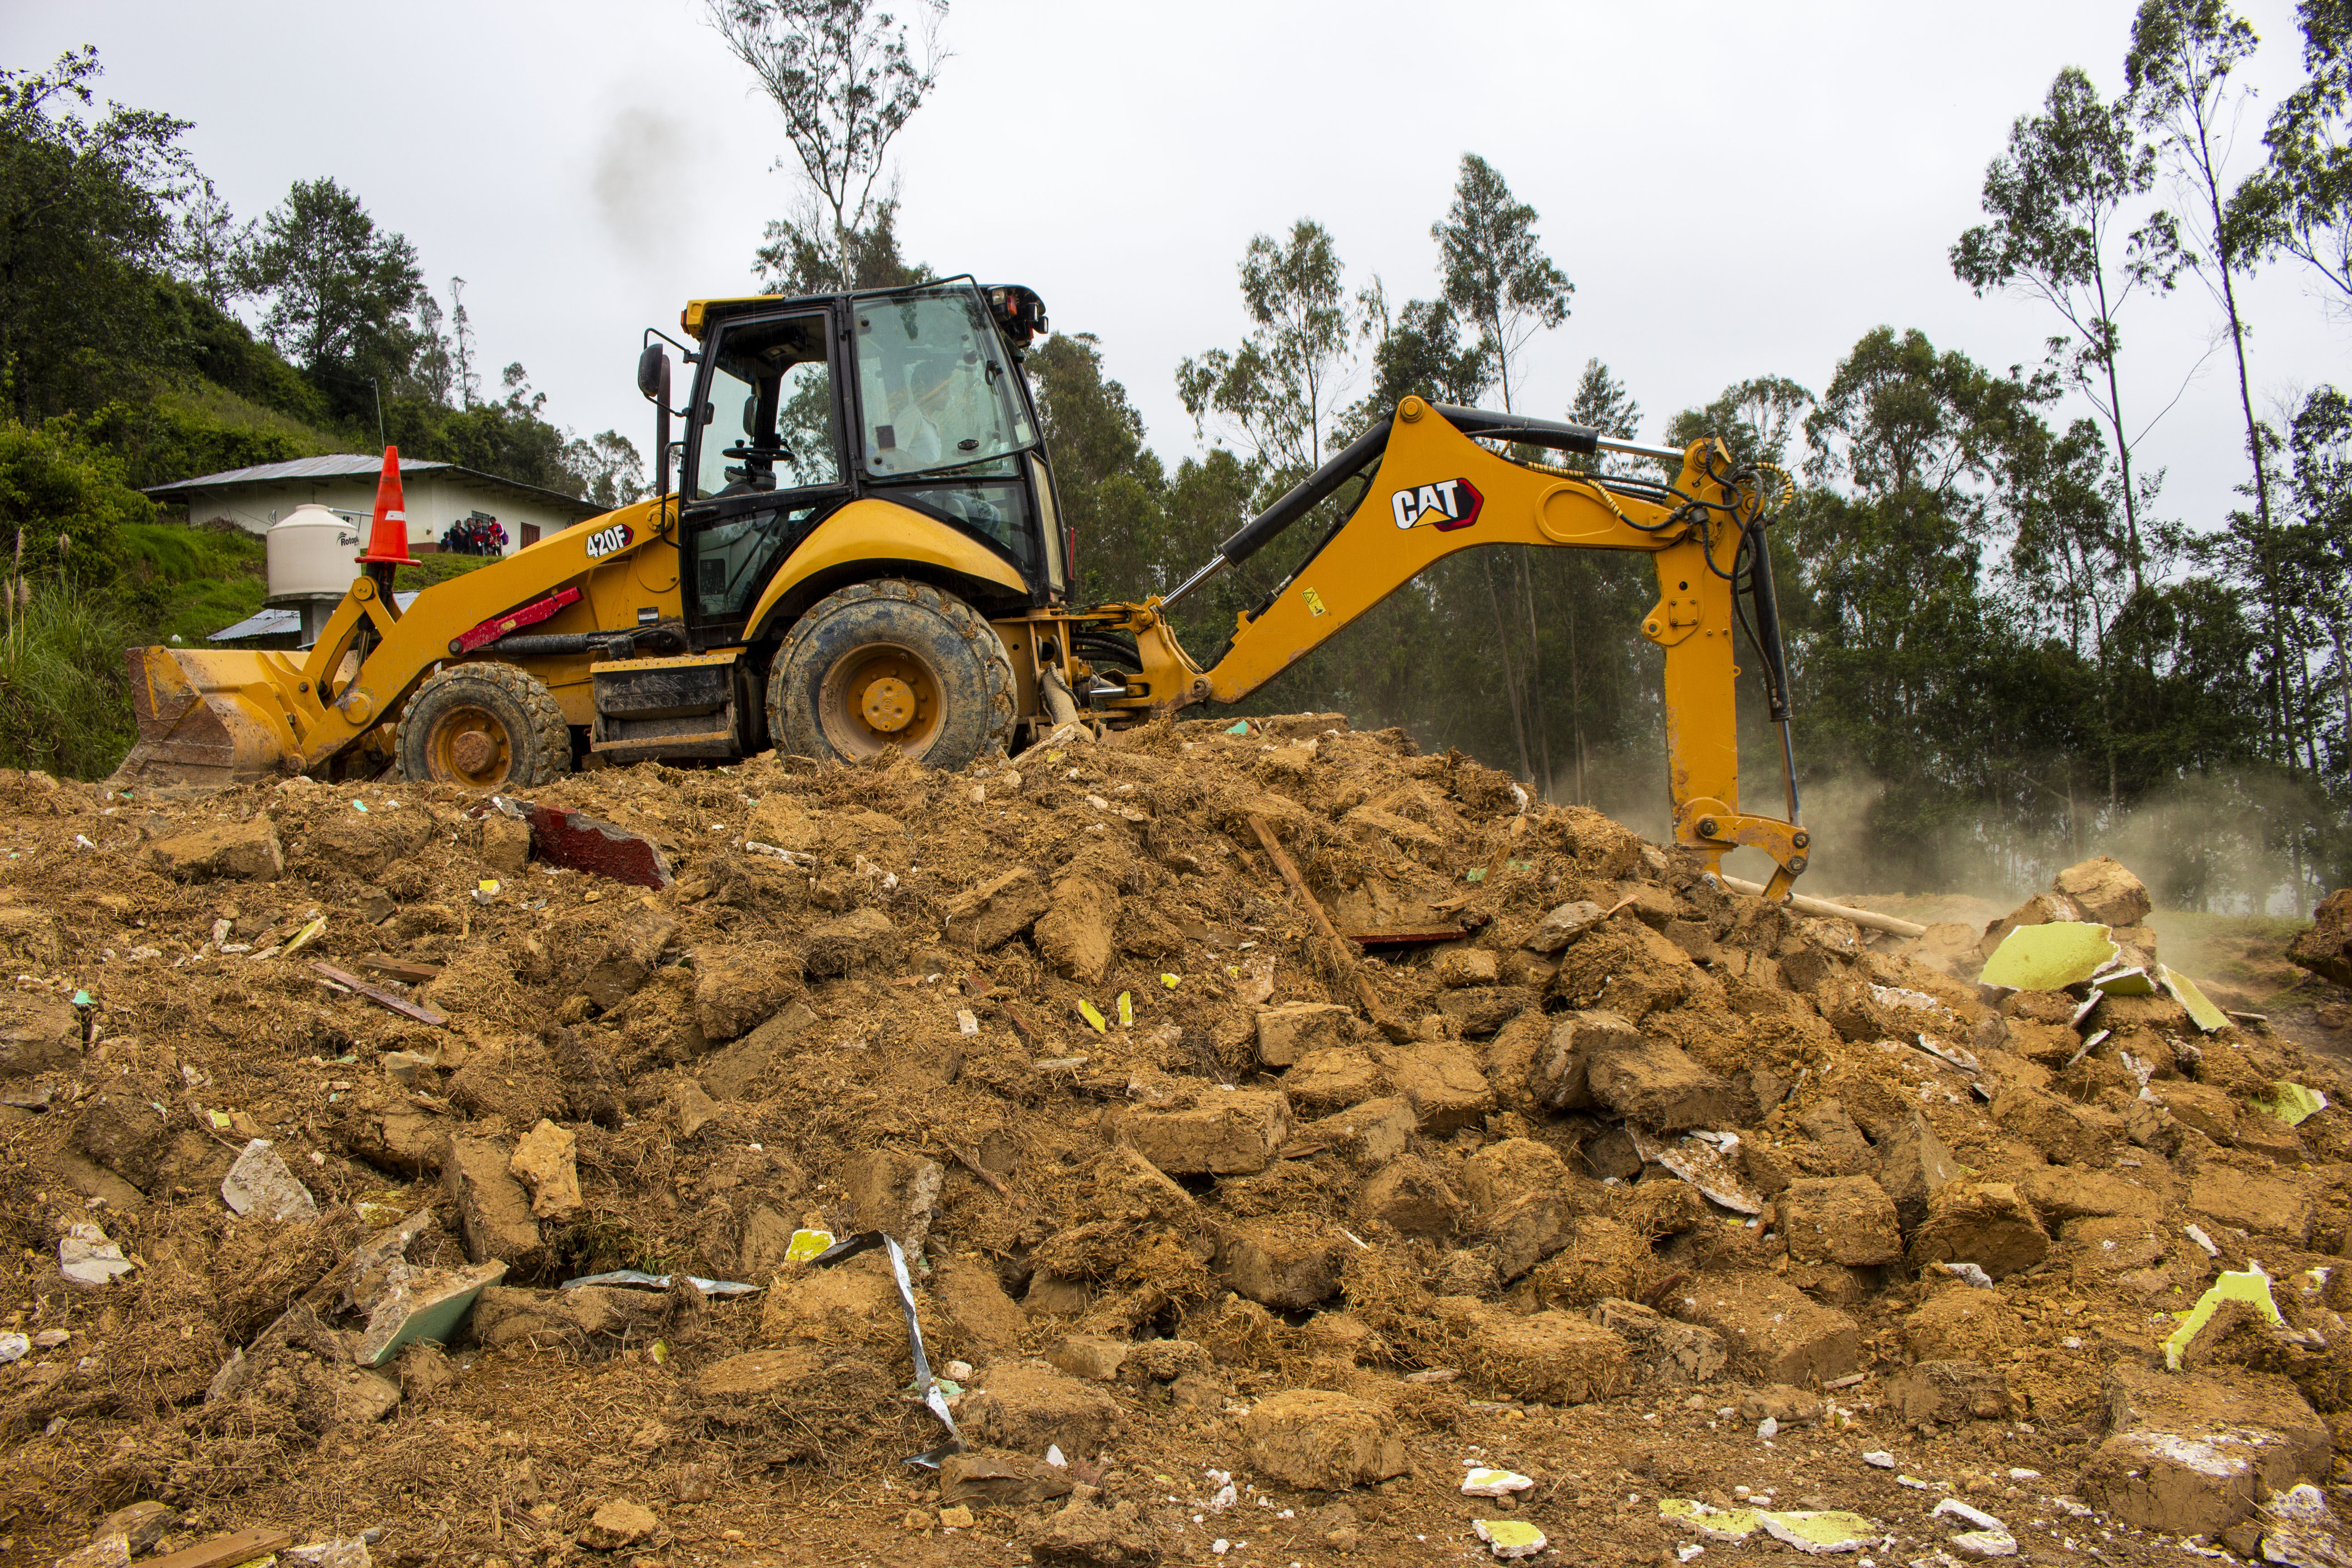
(738, 987)
(753, 1065)
(1095, 1358)
(141, 1525)
(1077, 936)
(234, 851)
(1029, 1408)
(1772, 1331)
(2267, 1203)
(1522, 1201)
(2326, 949)
(1549, 1357)
(545, 1160)
(958, 1517)
(119, 1135)
(692, 1109)
(1842, 1147)
(1661, 1352)
(617, 1524)
(1963, 1324)
(2105, 891)
(999, 1480)
(1564, 925)
(1912, 1167)
(1410, 1198)
(1232, 1133)
(259, 1184)
(2204, 1106)
(1321, 1441)
(1328, 1079)
(1848, 1220)
(1084, 1535)
(896, 1194)
(1282, 1264)
(987, 917)
(1983, 1223)
(1444, 1084)
(1463, 967)
(2061, 1192)
(862, 938)
(1947, 1392)
(2191, 1454)
(973, 1305)
(1659, 1088)
(38, 1032)
(494, 1212)
(1288, 1033)
(501, 843)
(2065, 1133)
(1483, 1009)
(1370, 1133)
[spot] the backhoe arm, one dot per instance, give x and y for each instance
(1436, 491)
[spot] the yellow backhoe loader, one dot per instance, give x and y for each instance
(864, 551)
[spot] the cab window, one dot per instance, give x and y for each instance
(934, 383)
(767, 419)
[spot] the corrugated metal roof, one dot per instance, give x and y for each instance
(276, 623)
(352, 464)
(335, 466)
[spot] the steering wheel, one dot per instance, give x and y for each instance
(742, 453)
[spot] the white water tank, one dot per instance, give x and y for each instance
(313, 554)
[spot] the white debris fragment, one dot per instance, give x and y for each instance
(2196, 1233)
(1879, 1458)
(1954, 1508)
(1480, 1481)
(14, 1347)
(88, 1258)
(259, 1184)
(1969, 1274)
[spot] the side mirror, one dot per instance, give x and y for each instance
(653, 373)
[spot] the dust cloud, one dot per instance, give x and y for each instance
(637, 182)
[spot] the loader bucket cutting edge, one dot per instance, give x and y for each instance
(208, 717)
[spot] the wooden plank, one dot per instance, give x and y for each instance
(399, 968)
(382, 998)
(1392, 1029)
(1869, 920)
(242, 1547)
(1405, 936)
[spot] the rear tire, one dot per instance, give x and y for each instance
(891, 663)
(483, 727)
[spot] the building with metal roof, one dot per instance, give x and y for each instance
(439, 496)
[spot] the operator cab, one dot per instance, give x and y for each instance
(801, 406)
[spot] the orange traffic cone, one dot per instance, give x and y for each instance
(388, 535)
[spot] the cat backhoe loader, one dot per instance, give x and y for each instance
(863, 551)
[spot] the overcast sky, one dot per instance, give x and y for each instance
(1734, 189)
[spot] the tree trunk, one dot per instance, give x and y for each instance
(1503, 651)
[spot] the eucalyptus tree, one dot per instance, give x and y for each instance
(2301, 203)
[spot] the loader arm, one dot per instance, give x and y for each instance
(220, 715)
(1436, 492)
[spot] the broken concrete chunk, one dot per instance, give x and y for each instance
(1322, 1441)
(1287, 1034)
(972, 1304)
(87, 1257)
(1232, 1133)
(1463, 967)
(862, 938)
(2064, 1132)
(1444, 1084)
(1984, 1223)
(1848, 1220)
(987, 917)
(896, 1194)
(751, 1065)
(1564, 925)
(1370, 1134)
(1945, 1392)
(1773, 1330)
(259, 1184)
(2105, 891)
(1029, 1407)
(1000, 1479)
(1661, 1352)
(545, 1159)
(234, 851)
(1076, 937)
(493, 1211)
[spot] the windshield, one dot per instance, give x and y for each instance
(934, 382)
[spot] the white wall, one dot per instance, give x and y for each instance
(434, 502)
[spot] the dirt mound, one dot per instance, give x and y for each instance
(1570, 1161)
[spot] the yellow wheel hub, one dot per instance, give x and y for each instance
(470, 747)
(888, 704)
(878, 696)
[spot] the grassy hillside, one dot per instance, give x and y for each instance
(188, 583)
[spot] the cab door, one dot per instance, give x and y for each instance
(764, 464)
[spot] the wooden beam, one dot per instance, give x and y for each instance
(242, 1547)
(381, 998)
(1274, 852)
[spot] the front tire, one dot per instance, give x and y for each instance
(483, 727)
(892, 664)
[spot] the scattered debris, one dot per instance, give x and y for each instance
(1510, 1537)
(259, 1184)
(86, 1256)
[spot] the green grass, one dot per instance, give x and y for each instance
(206, 401)
(431, 569)
(189, 582)
(65, 700)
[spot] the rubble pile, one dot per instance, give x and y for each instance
(464, 1169)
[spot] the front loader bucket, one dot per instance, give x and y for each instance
(209, 717)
